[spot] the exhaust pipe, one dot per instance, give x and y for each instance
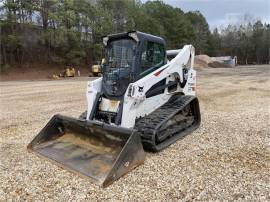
(99, 151)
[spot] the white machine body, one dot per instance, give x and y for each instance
(135, 103)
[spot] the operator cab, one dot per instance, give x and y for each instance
(128, 57)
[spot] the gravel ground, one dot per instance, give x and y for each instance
(227, 158)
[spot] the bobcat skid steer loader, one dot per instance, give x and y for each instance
(143, 101)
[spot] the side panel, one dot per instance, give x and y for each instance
(135, 102)
(190, 87)
(93, 87)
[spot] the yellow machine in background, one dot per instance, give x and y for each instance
(96, 68)
(68, 72)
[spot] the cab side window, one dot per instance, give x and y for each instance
(152, 55)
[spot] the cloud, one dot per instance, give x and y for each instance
(221, 12)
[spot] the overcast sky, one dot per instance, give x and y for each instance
(221, 12)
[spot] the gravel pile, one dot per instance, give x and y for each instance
(218, 64)
(200, 63)
(204, 61)
(227, 158)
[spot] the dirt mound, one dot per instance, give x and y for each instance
(204, 61)
(218, 64)
(199, 63)
(205, 58)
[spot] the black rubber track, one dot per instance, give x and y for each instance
(152, 128)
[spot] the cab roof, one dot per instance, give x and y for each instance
(136, 35)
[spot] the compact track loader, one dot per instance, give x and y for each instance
(143, 101)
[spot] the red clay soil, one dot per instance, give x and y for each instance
(37, 72)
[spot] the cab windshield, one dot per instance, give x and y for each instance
(120, 54)
(116, 71)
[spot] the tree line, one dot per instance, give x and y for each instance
(250, 42)
(69, 32)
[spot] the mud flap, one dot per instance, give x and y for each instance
(99, 151)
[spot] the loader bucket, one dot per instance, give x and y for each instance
(99, 151)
